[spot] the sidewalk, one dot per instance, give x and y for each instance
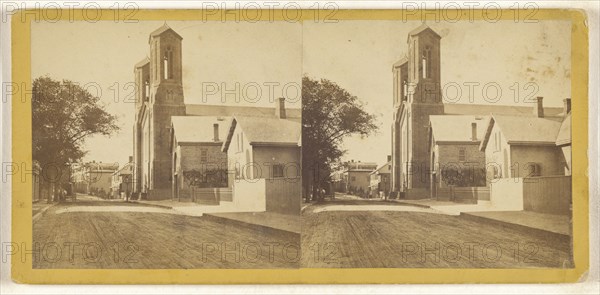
(268, 221)
(423, 203)
(228, 214)
(38, 209)
(557, 226)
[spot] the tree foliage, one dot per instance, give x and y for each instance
(329, 115)
(206, 178)
(453, 175)
(63, 115)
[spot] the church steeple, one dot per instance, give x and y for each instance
(166, 66)
(160, 94)
(424, 65)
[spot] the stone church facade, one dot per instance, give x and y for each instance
(417, 97)
(159, 97)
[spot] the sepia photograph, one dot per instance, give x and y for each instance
(166, 144)
(299, 146)
(437, 145)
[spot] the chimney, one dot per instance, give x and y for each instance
(216, 132)
(538, 109)
(130, 159)
(389, 158)
(473, 131)
(567, 106)
(280, 108)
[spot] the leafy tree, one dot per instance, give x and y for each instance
(329, 114)
(204, 178)
(457, 176)
(63, 116)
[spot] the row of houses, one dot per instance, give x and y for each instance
(105, 180)
(473, 155)
(363, 179)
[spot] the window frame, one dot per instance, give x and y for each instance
(277, 171)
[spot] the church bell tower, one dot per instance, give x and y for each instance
(165, 100)
(417, 95)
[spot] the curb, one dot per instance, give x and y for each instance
(303, 208)
(410, 204)
(265, 228)
(529, 230)
(42, 212)
(152, 205)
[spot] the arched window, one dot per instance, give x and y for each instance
(429, 62)
(426, 63)
(168, 64)
(415, 59)
(424, 66)
(146, 90)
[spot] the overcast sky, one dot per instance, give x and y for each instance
(357, 55)
(104, 53)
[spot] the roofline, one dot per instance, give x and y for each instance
(400, 63)
(142, 63)
(470, 142)
(152, 34)
(200, 142)
(411, 33)
(548, 143)
(274, 143)
(488, 132)
(227, 142)
(358, 170)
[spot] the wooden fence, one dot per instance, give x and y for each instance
(283, 195)
(547, 194)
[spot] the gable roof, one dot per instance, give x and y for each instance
(161, 30)
(229, 111)
(381, 167)
(457, 128)
(266, 130)
(523, 130)
(197, 129)
(420, 29)
(127, 169)
(400, 62)
(142, 62)
(564, 134)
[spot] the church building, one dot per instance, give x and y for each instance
(417, 98)
(159, 98)
(417, 95)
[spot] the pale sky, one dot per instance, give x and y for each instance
(104, 54)
(358, 56)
